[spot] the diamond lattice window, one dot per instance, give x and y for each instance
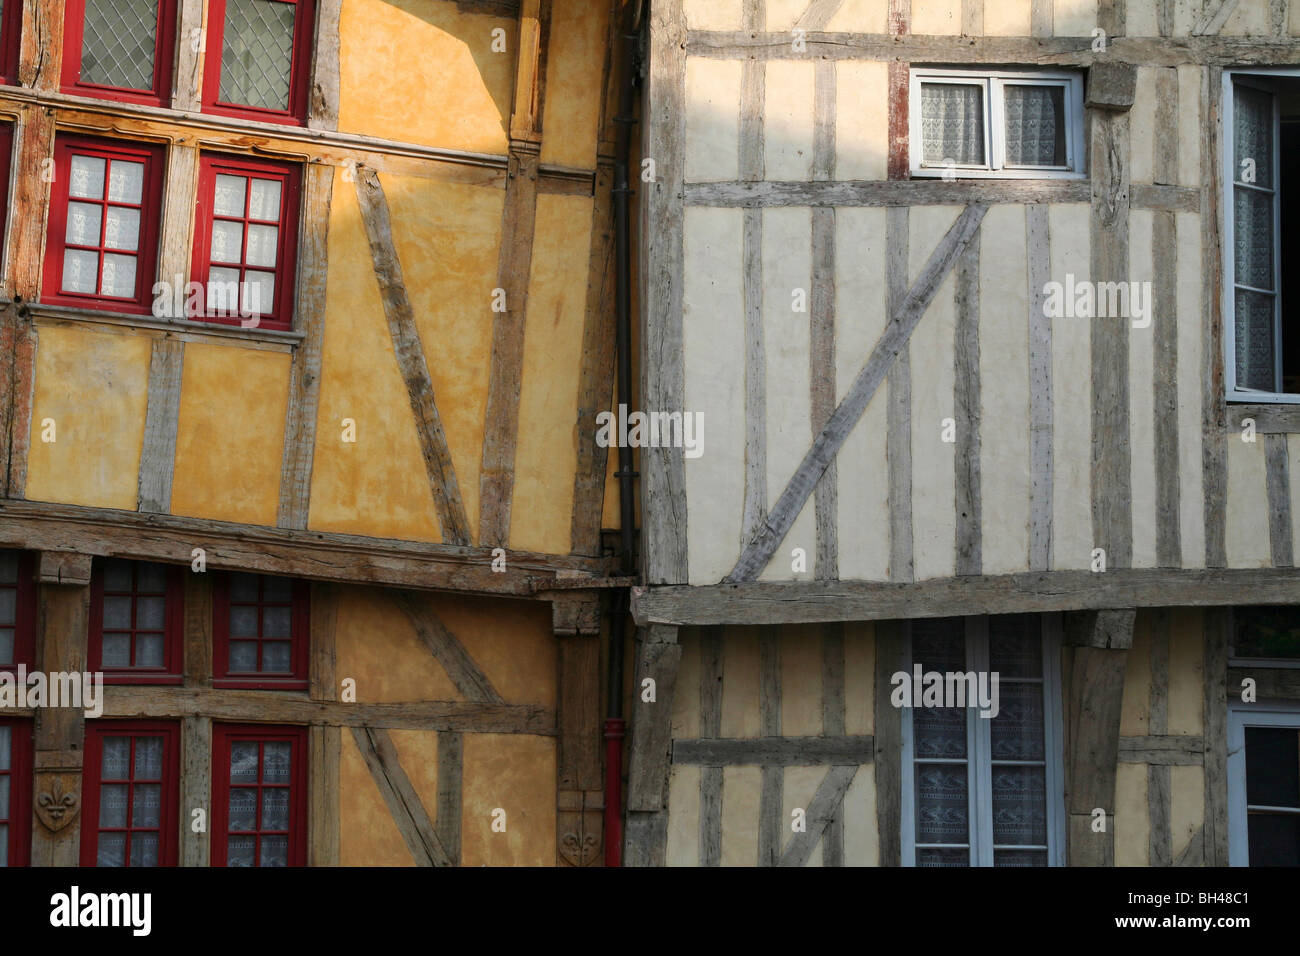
(118, 43)
(257, 53)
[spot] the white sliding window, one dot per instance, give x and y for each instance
(986, 791)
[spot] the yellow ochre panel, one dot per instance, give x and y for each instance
(513, 773)
(377, 646)
(367, 834)
(574, 69)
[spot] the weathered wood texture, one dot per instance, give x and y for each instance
(196, 789)
(774, 528)
(410, 359)
(1215, 728)
(1039, 259)
(821, 352)
(888, 745)
(451, 760)
(324, 751)
(1214, 451)
(1164, 384)
(711, 666)
(323, 669)
(1270, 683)
(323, 109)
(305, 370)
(40, 51)
(162, 417)
(771, 797)
(898, 412)
(470, 680)
(966, 401)
(198, 630)
(1267, 419)
(774, 751)
(187, 82)
(403, 802)
(829, 795)
(833, 721)
(658, 656)
(1278, 487)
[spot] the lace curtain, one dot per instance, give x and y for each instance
(952, 123)
(1253, 238)
(1035, 118)
(6, 740)
(8, 604)
(257, 53)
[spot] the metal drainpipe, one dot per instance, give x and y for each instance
(615, 725)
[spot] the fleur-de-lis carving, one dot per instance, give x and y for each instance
(56, 808)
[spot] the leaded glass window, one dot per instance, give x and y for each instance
(1256, 329)
(118, 43)
(257, 53)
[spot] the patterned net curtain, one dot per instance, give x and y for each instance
(1035, 117)
(1253, 239)
(130, 802)
(952, 124)
(118, 42)
(8, 605)
(6, 747)
(257, 53)
(939, 745)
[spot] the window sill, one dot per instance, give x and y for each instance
(959, 174)
(244, 683)
(184, 328)
(126, 678)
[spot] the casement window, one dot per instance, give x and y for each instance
(15, 792)
(6, 162)
(259, 796)
(136, 622)
(1264, 784)
(102, 250)
(17, 610)
(260, 631)
(1261, 226)
(996, 125)
(258, 59)
(977, 790)
(130, 794)
(119, 49)
(246, 240)
(11, 26)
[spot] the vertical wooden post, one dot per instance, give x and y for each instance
(576, 622)
(658, 656)
(64, 609)
(324, 744)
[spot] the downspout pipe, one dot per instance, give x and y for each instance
(615, 725)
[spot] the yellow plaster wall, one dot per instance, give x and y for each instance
(230, 434)
(574, 71)
(377, 486)
(420, 71)
(367, 834)
(95, 387)
(1132, 827)
(546, 452)
(515, 773)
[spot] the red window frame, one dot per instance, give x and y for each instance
(6, 162)
(223, 737)
(300, 67)
(24, 613)
(19, 773)
(74, 24)
(289, 175)
(173, 628)
(168, 828)
(299, 638)
(65, 147)
(11, 27)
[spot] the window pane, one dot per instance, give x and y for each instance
(243, 621)
(228, 199)
(239, 850)
(146, 805)
(117, 650)
(150, 612)
(1274, 839)
(933, 857)
(117, 575)
(243, 761)
(243, 809)
(942, 806)
(4, 797)
(257, 53)
(112, 805)
(277, 589)
(262, 245)
(264, 203)
(1019, 805)
(6, 645)
(6, 741)
(80, 271)
(148, 758)
(223, 291)
(87, 178)
(1020, 858)
(227, 240)
(119, 276)
(1016, 645)
(8, 605)
(4, 844)
(144, 849)
(117, 613)
(939, 731)
(275, 851)
(122, 228)
(1035, 125)
(1266, 632)
(952, 123)
(116, 764)
(258, 292)
(1252, 134)
(1016, 733)
(112, 850)
(275, 658)
(117, 47)
(126, 181)
(1272, 767)
(152, 579)
(149, 650)
(243, 656)
(275, 621)
(277, 758)
(1253, 322)
(1253, 237)
(275, 808)
(83, 224)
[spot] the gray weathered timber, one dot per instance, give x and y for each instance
(1165, 17)
(186, 88)
(966, 403)
(888, 744)
(1158, 698)
(403, 802)
(645, 838)
(1277, 16)
(711, 664)
(196, 787)
(1214, 450)
(808, 602)
(1194, 853)
(658, 657)
(1268, 419)
(305, 369)
(1110, 628)
(323, 109)
(755, 504)
(818, 14)
(1169, 547)
(325, 746)
(410, 359)
(322, 673)
(1111, 16)
(198, 630)
(972, 17)
(1215, 16)
(822, 342)
(833, 726)
(663, 505)
(771, 795)
(1271, 683)
(1154, 757)
(175, 237)
(1112, 498)
(1278, 487)
(461, 668)
(819, 811)
(162, 415)
(1215, 710)
(1159, 807)
(827, 444)
(1111, 86)
(898, 410)
(451, 758)
(1039, 267)
(1093, 715)
(774, 752)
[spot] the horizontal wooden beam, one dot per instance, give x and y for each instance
(1162, 751)
(775, 751)
(807, 602)
(927, 192)
(1269, 419)
(39, 526)
(289, 707)
(1271, 683)
(1039, 51)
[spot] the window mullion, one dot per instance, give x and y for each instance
(994, 132)
(981, 790)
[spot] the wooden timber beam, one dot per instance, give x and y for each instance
(807, 602)
(646, 831)
(1096, 692)
(404, 803)
(470, 680)
(306, 554)
(774, 751)
(40, 51)
(822, 807)
(579, 784)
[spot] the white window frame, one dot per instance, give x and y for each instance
(1240, 716)
(994, 83)
(979, 750)
(1227, 158)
